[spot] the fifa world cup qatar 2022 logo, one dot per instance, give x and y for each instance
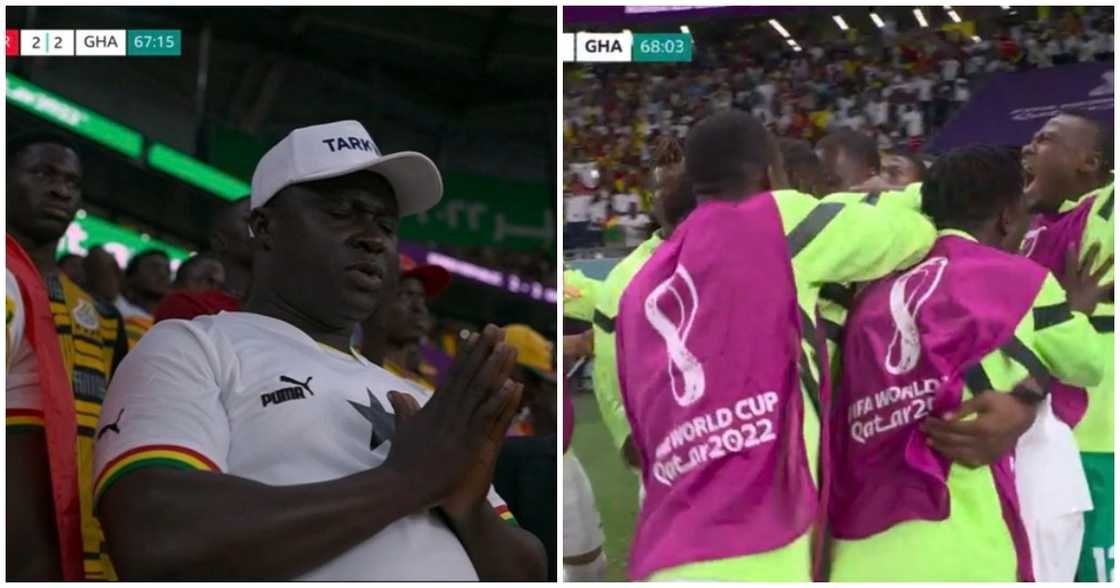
(670, 309)
(908, 293)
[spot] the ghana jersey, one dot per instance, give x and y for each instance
(975, 527)
(253, 396)
(827, 242)
(405, 374)
(137, 321)
(604, 297)
(92, 342)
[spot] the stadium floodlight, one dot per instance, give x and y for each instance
(778, 27)
(921, 18)
(840, 22)
(953, 14)
(875, 19)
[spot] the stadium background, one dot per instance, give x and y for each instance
(612, 121)
(165, 141)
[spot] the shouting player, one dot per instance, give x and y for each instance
(258, 444)
(1069, 166)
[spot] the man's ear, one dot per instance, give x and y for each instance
(260, 227)
(1092, 163)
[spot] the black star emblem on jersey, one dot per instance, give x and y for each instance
(383, 423)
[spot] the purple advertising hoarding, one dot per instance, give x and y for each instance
(492, 277)
(1010, 108)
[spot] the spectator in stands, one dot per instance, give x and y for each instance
(74, 268)
(535, 371)
(103, 275)
(406, 319)
(230, 241)
(635, 226)
(147, 279)
(201, 272)
(59, 401)
(849, 159)
(231, 246)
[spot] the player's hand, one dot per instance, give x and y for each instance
(581, 345)
(1001, 418)
(1083, 286)
(475, 485)
(435, 446)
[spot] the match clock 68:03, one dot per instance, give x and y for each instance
(662, 47)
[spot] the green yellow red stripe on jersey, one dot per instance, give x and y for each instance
(170, 456)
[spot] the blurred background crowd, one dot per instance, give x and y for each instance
(895, 74)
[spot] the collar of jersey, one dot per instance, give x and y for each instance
(955, 233)
(287, 329)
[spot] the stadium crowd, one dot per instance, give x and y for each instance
(244, 385)
(897, 86)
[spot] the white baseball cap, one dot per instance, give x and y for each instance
(339, 148)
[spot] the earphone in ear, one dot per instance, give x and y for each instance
(251, 235)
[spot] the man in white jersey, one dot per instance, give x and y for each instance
(259, 445)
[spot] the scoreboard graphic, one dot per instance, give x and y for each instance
(626, 47)
(93, 42)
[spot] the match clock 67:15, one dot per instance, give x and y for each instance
(160, 42)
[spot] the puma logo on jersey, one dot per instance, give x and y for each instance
(296, 392)
(111, 427)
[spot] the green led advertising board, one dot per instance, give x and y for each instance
(65, 113)
(89, 231)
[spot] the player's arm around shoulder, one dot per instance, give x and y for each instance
(1064, 339)
(836, 241)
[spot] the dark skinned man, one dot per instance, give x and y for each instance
(230, 246)
(850, 158)
(44, 178)
(200, 272)
(147, 278)
(260, 445)
(902, 168)
(103, 275)
(405, 320)
(74, 268)
(716, 328)
(952, 336)
(1068, 164)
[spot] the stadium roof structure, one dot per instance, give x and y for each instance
(472, 87)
